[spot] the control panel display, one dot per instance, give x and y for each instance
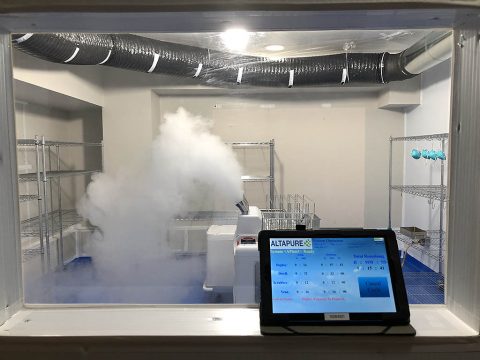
(330, 275)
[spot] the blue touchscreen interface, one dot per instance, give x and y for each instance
(330, 275)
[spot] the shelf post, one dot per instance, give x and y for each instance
(442, 201)
(49, 153)
(61, 262)
(390, 166)
(45, 201)
(39, 192)
(102, 154)
(272, 172)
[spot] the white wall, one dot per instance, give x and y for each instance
(80, 82)
(431, 117)
(380, 126)
(59, 102)
(321, 147)
(128, 112)
(34, 119)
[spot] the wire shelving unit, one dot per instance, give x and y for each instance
(271, 177)
(33, 142)
(432, 192)
(249, 178)
(59, 220)
(55, 174)
(428, 137)
(49, 222)
(434, 246)
(24, 198)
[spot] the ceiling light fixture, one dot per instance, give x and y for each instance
(235, 39)
(274, 47)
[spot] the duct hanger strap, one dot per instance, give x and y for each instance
(347, 47)
(106, 59)
(382, 67)
(23, 38)
(345, 75)
(73, 55)
(154, 63)
(199, 69)
(239, 76)
(290, 78)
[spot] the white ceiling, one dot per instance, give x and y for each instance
(304, 43)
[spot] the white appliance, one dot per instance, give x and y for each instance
(232, 251)
(232, 256)
(220, 265)
(246, 285)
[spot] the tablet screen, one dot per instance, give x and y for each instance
(330, 275)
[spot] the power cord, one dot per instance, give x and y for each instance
(417, 241)
(406, 253)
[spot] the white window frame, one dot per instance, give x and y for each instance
(463, 286)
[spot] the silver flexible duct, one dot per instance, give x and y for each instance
(428, 52)
(217, 68)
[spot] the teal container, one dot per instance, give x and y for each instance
(416, 154)
(441, 155)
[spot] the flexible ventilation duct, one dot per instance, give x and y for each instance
(432, 50)
(213, 67)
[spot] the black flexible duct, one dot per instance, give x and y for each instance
(213, 67)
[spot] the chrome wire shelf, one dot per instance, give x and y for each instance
(208, 216)
(433, 192)
(29, 254)
(31, 227)
(241, 145)
(430, 137)
(24, 198)
(55, 174)
(434, 244)
(248, 178)
(30, 230)
(33, 142)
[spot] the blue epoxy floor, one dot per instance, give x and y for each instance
(424, 286)
(79, 284)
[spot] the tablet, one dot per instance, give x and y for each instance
(331, 277)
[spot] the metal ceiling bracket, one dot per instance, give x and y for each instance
(461, 41)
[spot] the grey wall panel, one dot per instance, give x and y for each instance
(187, 20)
(178, 5)
(10, 278)
(463, 281)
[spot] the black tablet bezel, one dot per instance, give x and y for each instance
(268, 318)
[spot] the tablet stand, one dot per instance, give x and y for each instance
(339, 330)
